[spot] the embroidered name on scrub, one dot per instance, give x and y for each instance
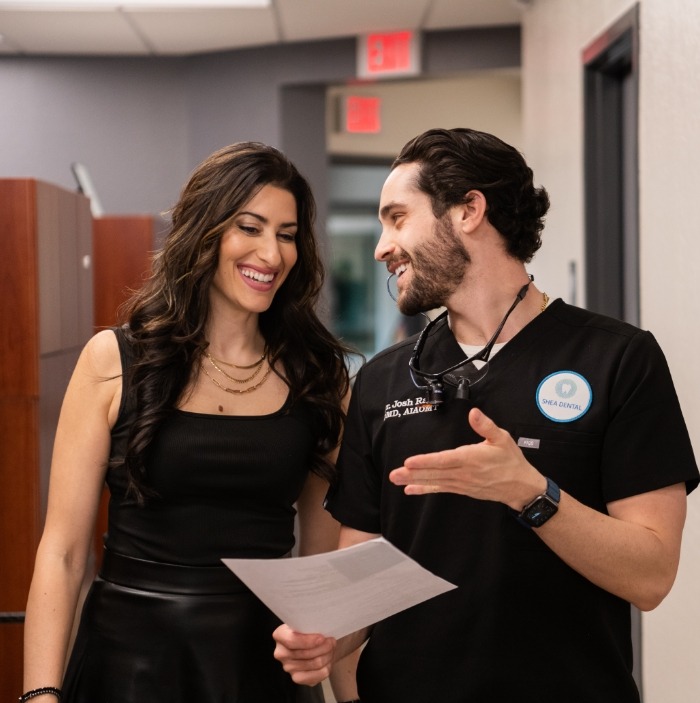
(410, 406)
(564, 396)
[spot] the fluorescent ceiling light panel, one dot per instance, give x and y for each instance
(129, 4)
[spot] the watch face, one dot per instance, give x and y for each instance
(540, 511)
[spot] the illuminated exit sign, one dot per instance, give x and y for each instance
(388, 54)
(363, 114)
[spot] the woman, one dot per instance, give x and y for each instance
(215, 410)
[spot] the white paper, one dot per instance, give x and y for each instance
(339, 592)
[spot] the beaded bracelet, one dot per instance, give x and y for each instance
(40, 692)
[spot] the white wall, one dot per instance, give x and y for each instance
(555, 33)
(670, 269)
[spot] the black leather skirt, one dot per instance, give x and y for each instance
(152, 633)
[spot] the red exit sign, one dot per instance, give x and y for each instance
(388, 54)
(363, 114)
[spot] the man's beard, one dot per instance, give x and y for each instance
(437, 268)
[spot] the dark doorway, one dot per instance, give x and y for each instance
(611, 157)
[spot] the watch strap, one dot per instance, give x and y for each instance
(552, 492)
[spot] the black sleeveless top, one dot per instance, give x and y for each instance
(226, 484)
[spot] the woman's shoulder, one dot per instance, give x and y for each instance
(101, 355)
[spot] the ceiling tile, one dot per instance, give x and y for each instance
(6, 46)
(70, 32)
(449, 14)
(309, 19)
(186, 32)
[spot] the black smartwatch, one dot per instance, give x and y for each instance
(536, 513)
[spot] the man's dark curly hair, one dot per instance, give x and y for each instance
(456, 161)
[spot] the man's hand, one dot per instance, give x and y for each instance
(306, 658)
(494, 469)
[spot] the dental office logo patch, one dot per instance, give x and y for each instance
(564, 396)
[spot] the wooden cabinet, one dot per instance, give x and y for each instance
(46, 316)
(123, 246)
(62, 276)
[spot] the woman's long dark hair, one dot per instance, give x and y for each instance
(167, 318)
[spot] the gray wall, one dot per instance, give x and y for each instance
(140, 125)
(125, 119)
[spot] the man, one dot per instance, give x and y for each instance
(547, 478)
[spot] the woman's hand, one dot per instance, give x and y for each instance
(306, 658)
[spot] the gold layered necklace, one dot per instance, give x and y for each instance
(545, 302)
(257, 366)
(236, 366)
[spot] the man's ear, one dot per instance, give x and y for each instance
(471, 213)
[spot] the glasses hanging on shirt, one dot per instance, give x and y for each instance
(433, 384)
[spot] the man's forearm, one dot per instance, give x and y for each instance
(633, 552)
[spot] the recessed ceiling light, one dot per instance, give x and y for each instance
(129, 4)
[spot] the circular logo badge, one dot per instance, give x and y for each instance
(564, 396)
